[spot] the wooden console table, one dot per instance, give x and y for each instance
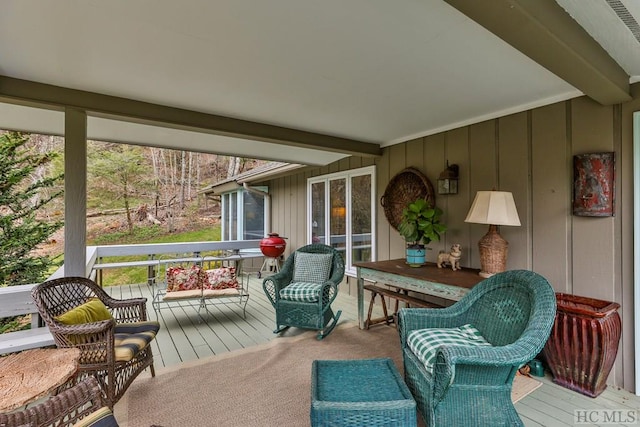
(428, 279)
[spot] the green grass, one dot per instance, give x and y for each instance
(11, 324)
(153, 234)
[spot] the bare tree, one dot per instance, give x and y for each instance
(121, 166)
(233, 167)
(183, 171)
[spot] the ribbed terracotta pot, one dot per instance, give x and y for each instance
(584, 343)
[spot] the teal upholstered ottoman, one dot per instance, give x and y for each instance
(364, 392)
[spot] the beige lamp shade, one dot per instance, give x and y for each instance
(494, 208)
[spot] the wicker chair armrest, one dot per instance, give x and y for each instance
(510, 355)
(281, 279)
(448, 359)
(337, 273)
(410, 319)
(100, 327)
(330, 284)
(273, 284)
(329, 289)
(63, 409)
(95, 340)
(128, 310)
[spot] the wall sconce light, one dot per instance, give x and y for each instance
(448, 180)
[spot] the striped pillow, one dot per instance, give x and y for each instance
(311, 268)
(424, 343)
(130, 338)
(103, 417)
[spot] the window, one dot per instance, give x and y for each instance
(243, 215)
(341, 210)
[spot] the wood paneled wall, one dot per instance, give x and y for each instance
(531, 155)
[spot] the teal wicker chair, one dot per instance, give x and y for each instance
(304, 288)
(471, 385)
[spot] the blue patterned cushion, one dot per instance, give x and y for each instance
(311, 268)
(103, 417)
(301, 292)
(130, 338)
(424, 343)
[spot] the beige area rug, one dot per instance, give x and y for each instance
(266, 385)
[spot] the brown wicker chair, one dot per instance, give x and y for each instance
(64, 409)
(96, 341)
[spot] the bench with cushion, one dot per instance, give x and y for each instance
(195, 283)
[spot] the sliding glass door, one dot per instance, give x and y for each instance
(341, 210)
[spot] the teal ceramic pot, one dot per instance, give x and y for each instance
(416, 256)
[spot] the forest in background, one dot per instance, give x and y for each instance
(131, 187)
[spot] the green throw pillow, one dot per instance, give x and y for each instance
(311, 268)
(91, 311)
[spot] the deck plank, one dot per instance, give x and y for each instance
(188, 334)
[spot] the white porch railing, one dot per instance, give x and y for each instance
(16, 300)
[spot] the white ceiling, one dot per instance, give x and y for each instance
(376, 71)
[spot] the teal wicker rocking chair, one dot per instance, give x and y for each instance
(471, 385)
(304, 288)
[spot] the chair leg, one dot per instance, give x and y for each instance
(332, 324)
(280, 329)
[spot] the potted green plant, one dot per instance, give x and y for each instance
(419, 226)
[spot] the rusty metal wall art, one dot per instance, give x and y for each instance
(594, 184)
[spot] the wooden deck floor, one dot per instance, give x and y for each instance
(187, 334)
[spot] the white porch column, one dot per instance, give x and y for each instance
(75, 192)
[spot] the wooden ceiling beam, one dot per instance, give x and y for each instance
(546, 33)
(99, 105)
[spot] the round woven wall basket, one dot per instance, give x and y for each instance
(407, 186)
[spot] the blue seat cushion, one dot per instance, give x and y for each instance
(130, 338)
(424, 343)
(301, 292)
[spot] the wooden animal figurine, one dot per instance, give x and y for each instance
(452, 258)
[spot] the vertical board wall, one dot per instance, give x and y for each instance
(531, 155)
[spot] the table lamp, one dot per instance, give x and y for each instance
(494, 208)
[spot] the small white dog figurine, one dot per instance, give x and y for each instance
(452, 258)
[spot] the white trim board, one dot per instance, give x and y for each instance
(636, 241)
